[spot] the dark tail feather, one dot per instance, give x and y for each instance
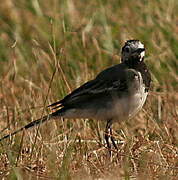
(32, 124)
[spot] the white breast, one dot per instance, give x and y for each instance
(128, 106)
(137, 102)
(138, 98)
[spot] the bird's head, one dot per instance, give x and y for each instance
(133, 51)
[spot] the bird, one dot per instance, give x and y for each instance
(116, 94)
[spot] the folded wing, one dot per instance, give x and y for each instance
(105, 83)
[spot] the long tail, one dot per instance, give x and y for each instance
(32, 124)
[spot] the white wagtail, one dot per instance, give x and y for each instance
(116, 94)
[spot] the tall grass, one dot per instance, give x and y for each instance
(74, 40)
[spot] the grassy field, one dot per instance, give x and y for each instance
(50, 47)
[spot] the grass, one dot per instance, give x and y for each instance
(48, 48)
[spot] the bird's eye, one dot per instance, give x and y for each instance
(127, 49)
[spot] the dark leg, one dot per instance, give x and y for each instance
(113, 139)
(108, 134)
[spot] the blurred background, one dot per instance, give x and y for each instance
(50, 47)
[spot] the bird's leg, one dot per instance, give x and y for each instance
(108, 134)
(113, 139)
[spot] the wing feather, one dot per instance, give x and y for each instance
(105, 82)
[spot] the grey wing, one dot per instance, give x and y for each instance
(76, 94)
(94, 89)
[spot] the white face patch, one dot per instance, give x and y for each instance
(142, 54)
(140, 45)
